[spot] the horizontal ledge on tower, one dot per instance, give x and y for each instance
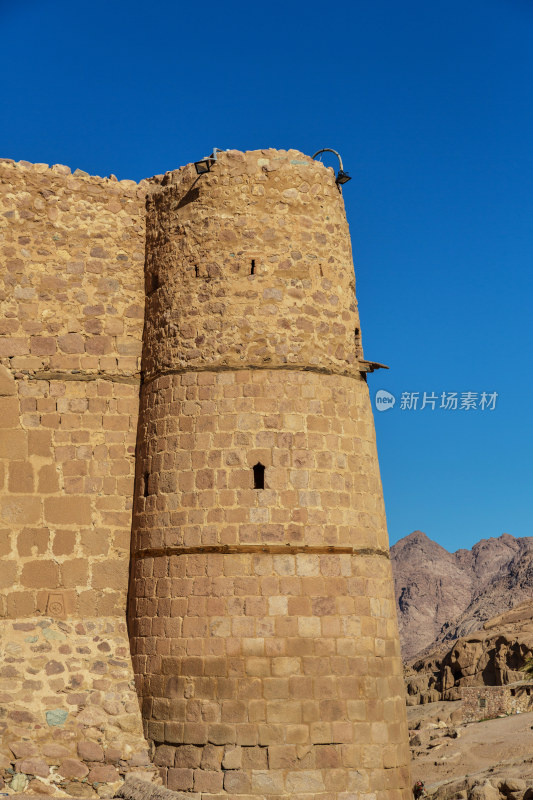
(270, 549)
(351, 372)
(371, 366)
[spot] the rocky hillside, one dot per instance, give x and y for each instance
(488, 760)
(441, 596)
(492, 656)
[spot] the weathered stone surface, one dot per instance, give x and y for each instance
(23, 749)
(54, 750)
(72, 768)
(78, 789)
(19, 782)
(103, 773)
(270, 615)
(493, 656)
(483, 791)
(38, 787)
(7, 382)
(33, 766)
(92, 715)
(90, 751)
(512, 787)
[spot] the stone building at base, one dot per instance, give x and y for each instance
(261, 617)
(487, 702)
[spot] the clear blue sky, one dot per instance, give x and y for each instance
(430, 104)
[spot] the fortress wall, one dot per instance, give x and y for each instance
(72, 300)
(264, 631)
(205, 309)
(71, 317)
(264, 637)
(202, 432)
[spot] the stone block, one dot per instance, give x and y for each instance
(7, 382)
(20, 510)
(68, 510)
(237, 783)
(267, 782)
(9, 411)
(188, 757)
(180, 780)
(232, 758)
(305, 781)
(40, 574)
(103, 773)
(73, 768)
(90, 751)
(208, 781)
(48, 481)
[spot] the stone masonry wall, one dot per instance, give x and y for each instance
(487, 702)
(247, 265)
(264, 636)
(72, 305)
(262, 622)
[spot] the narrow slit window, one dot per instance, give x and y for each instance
(196, 272)
(252, 272)
(145, 484)
(259, 476)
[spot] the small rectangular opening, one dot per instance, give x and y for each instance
(252, 269)
(145, 484)
(482, 702)
(259, 476)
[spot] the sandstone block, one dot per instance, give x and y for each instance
(20, 477)
(219, 733)
(180, 780)
(164, 756)
(54, 750)
(236, 782)
(38, 787)
(90, 751)
(72, 768)
(40, 574)
(68, 510)
(48, 479)
(209, 781)
(7, 382)
(33, 766)
(20, 510)
(92, 716)
(9, 412)
(232, 758)
(267, 782)
(8, 574)
(305, 781)
(23, 749)
(103, 773)
(188, 757)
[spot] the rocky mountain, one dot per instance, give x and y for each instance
(441, 596)
(492, 656)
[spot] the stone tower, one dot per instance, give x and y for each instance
(262, 620)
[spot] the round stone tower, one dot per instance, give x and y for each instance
(262, 618)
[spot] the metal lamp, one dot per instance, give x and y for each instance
(342, 176)
(205, 164)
